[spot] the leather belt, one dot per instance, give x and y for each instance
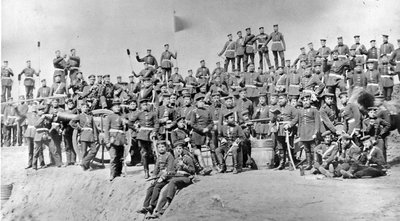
(294, 85)
(359, 55)
(146, 128)
(372, 59)
(30, 126)
(116, 131)
(59, 69)
(5, 77)
(74, 68)
(41, 129)
(342, 56)
(284, 122)
(386, 76)
(251, 86)
(373, 84)
(87, 128)
(352, 120)
(12, 117)
(29, 78)
(336, 75)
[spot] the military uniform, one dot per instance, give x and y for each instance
(115, 137)
(387, 74)
(229, 49)
(311, 83)
(262, 129)
(166, 63)
(325, 154)
(281, 83)
(58, 88)
(29, 81)
(239, 53)
(244, 104)
(202, 74)
(360, 51)
(167, 116)
(248, 81)
(29, 134)
(386, 48)
(278, 47)
(177, 81)
(10, 125)
(373, 55)
(324, 52)
(336, 74)
(301, 57)
(357, 80)
(148, 59)
(6, 83)
(343, 51)
(351, 117)
(43, 92)
(70, 153)
(262, 49)
(329, 117)
(60, 67)
(373, 81)
(311, 56)
(22, 110)
(74, 62)
(200, 119)
(293, 84)
(42, 138)
(395, 60)
(106, 95)
(190, 82)
(84, 123)
(91, 92)
(249, 43)
(55, 134)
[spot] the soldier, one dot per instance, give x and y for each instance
(84, 123)
(244, 103)
(99, 80)
(203, 73)
(147, 71)
(42, 138)
(10, 123)
(249, 41)
(187, 107)
(218, 87)
(278, 45)
(77, 85)
(312, 53)
(58, 88)
(190, 82)
(55, 134)
(262, 49)
(336, 72)
(215, 109)
(358, 78)
(280, 81)
(240, 49)
(286, 120)
(6, 81)
(22, 110)
(166, 115)
(114, 137)
(302, 57)
(309, 120)
(293, 83)
(217, 72)
(395, 59)
(31, 118)
(350, 155)
(324, 51)
(67, 134)
(91, 91)
(177, 80)
(107, 92)
(163, 168)
(231, 136)
(387, 73)
(373, 54)
(229, 49)
(148, 128)
(60, 66)
(350, 115)
(74, 63)
(329, 114)
(310, 83)
(359, 48)
(44, 90)
(248, 81)
(202, 124)
(325, 154)
(342, 49)
(386, 47)
(132, 130)
(165, 61)
(261, 128)
(29, 81)
(149, 59)
(373, 79)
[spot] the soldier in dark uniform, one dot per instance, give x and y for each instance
(42, 139)
(203, 73)
(74, 63)
(148, 128)
(309, 120)
(358, 78)
(177, 80)
(301, 57)
(312, 53)
(239, 53)
(149, 59)
(324, 51)
(329, 114)
(44, 90)
(132, 130)
(55, 134)
(262, 49)
(31, 118)
(386, 47)
(387, 73)
(229, 49)
(84, 123)
(115, 139)
(286, 120)
(359, 48)
(261, 129)
(311, 83)
(67, 134)
(202, 124)
(342, 49)
(217, 72)
(6, 81)
(58, 88)
(248, 81)
(91, 91)
(280, 81)
(373, 54)
(350, 115)
(278, 45)
(325, 154)
(249, 41)
(165, 61)
(29, 81)
(336, 72)
(107, 93)
(395, 59)
(373, 79)
(10, 123)
(60, 66)
(231, 136)
(22, 110)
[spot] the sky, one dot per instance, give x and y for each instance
(102, 30)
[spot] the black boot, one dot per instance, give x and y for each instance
(282, 160)
(309, 162)
(146, 174)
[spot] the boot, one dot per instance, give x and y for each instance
(235, 165)
(214, 158)
(325, 172)
(222, 168)
(146, 174)
(309, 162)
(282, 160)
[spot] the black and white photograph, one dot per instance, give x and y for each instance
(214, 110)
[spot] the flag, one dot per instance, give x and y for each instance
(179, 23)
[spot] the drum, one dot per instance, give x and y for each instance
(262, 151)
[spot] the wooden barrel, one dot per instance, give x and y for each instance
(6, 192)
(262, 151)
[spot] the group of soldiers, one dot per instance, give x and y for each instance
(173, 120)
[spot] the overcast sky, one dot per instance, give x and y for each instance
(102, 30)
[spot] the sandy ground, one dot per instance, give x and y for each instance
(71, 194)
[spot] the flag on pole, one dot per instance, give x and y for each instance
(179, 23)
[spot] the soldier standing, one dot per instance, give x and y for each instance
(177, 80)
(229, 49)
(58, 88)
(166, 63)
(55, 134)
(148, 128)
(336, 72)
(6, 81)
(60, 66)
(278, 45)
(358, 78)
(22, 110)
(217, 72)
(311, 54)
(44, 90)
(10, 123)
(249, 41)
(115, 139)
(373, 79)
(329, 114)
(107, 93)
(342, 49)
(324, 51)
(203, 73)
(42, 138)
(84, 123)
(74, 63)
(262, 49)
(387, 73)
(67, 134)
(395, 59)
(301, 57)
(373, 53)
(31, 118)
(386, 47)
(149, 59)
(248, 81)
(359, 48)
(29, 81)
(240, 51)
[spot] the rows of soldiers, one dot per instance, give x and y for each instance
(217, 111)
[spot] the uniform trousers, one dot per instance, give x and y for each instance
(88, 155)
(38, 152)
(145, 152)
(387, 93)
(55, 149)
(5, 93)
(69, 148)
(226, 64)
(223, 150)
(281, 55)
(261, 56)
(10, 135)
(30, 150)
(29, 91)
(153, 192)
(247, 57)
(239, 60)
(116, 159)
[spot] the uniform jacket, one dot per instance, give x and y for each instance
(336, 69)
(178, 135)
(387, 73)
(6, 74)
(201, 118)
(312, 83)
(289, 116)
(324, 52)
(329, 152)
(386, 48)
(309, 121)
(148, 122)
(188, 164)
(229, 49)
(29, 72)
(342, 49)
(261, 40)
(249, 41)
(113, 126)
(43, 92)
(85, 124)
(358, 79)
(248, 81)
(328, 117)
(232, 132)
(42, 125)
(149, 59)
(165, 59)
(278, 42)
(395, 60)
(31, 119)
(351, 154)
(240, 47)
(164, 162)
(351, 117)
